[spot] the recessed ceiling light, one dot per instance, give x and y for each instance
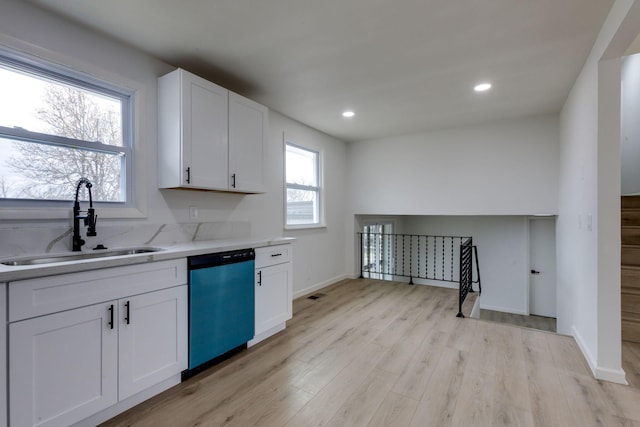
(482, 87)
(348, 114)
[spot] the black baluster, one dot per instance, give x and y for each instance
(403, 245)
(442, 277)
(426, 261)
(451, 277)
(411, 259)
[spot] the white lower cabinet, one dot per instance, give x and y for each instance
(273, 296)
(63, 367)
(70, 365)
(153, 339)
(273, 290)
(3, 356)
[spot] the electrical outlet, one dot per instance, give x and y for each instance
(193, 212)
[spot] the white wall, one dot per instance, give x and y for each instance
(318, 254)
(505, 168)
(630, 141)
(588, 259)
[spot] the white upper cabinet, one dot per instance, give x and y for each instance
(247, 133)
(209, 138)
(205, 144)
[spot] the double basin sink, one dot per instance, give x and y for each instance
(75, 256)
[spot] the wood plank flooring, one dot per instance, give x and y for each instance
(534, 322)
(372, 353)
(631, 362)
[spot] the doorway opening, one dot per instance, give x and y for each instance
(541, 293)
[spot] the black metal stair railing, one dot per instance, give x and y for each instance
(466, 272)
(418, 256)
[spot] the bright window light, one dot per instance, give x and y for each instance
(482, 87)
(303, 186)
(56, 127)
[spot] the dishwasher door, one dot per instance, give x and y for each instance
(221, 304)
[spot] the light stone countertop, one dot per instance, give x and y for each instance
(182, 250)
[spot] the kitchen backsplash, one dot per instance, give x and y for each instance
(25, 239)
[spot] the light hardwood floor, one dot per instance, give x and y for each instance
(631, 362)
(534, 322)
(372, 353)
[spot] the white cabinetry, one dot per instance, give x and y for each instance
(247, 133)
(152, 339)
(80, 343)
(3, 355)
(209, 138)
(63, 366)
(273, 286)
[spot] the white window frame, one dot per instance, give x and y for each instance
(81, 74)
(319, 188)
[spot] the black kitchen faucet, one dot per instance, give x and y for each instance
(90, 218)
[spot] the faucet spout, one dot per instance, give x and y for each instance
(90, 218)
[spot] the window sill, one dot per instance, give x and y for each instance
(304, 226)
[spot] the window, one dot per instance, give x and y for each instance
(57, 126)
(303, 187)
(378, 252)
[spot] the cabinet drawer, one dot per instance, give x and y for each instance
(272, 255)
(45, 295)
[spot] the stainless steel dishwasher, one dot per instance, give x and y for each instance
(221, 306)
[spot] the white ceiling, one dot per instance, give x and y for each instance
(403, 66)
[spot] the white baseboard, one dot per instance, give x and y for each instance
(416, 281)
(475, 311)
(318, 286)
(436, 283)
(612, 375)
(606, 374)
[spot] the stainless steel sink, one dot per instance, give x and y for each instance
(76, 256)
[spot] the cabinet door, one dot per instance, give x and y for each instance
(247, 133)
(273, 296)
(153, 338)
(3, 355)
(63, 367)
(205, 121)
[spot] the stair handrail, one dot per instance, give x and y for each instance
(475, 253)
